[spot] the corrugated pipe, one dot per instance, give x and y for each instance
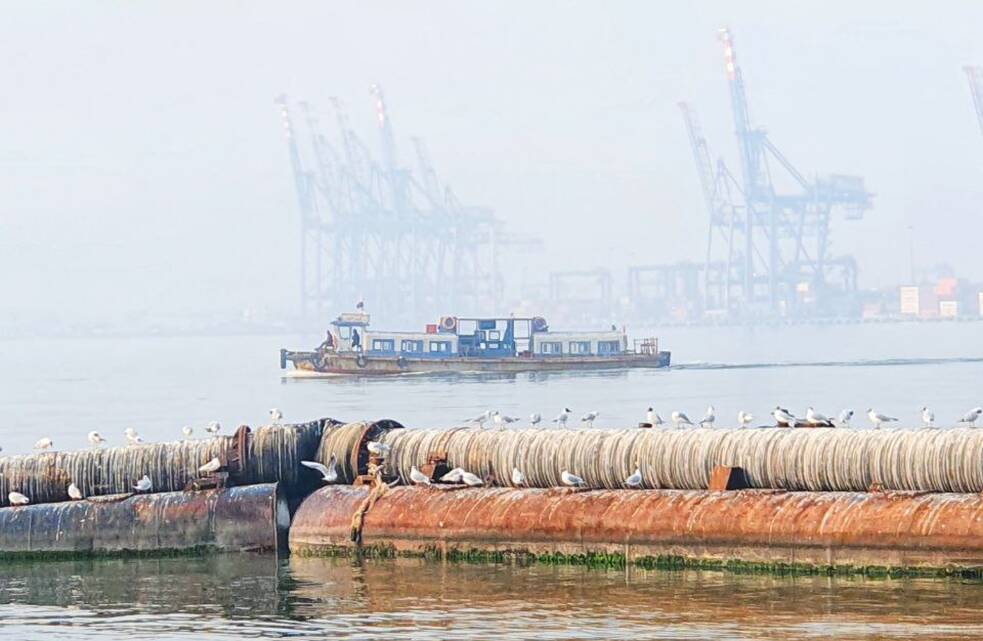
(821, 459)
(349, 444)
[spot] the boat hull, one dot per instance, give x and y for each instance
(368, 365)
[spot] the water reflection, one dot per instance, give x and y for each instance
(255, 596)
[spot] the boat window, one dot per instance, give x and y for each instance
(551, 348)
(345, 331)
(383, 345)
(440, 346)
(580, 347)
(411, 346)
(486, 324)
(494, 335)
(608, 347)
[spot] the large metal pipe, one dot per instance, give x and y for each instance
(252, 517)
(820, 460)
(757, 526)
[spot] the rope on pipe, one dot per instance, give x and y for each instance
(819, 459)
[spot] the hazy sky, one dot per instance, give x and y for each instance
(143, 167)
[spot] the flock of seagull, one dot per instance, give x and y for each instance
(782, 416)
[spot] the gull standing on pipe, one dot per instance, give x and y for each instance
(680, 418)
(95, 438)
(144, 484)
(16, 498)
(518, 478)
(784, 416)
(502, 420)
(535, 418)
(43, 443)
(377, 448)
(635, 480)
(210, 467)
(561, 419)
(132, 437)
(276, 416)
(480, 419)
(589, 417)
(187, 430)
(74, 492)
(970, 417)
(329, 473)
(213, 427)
(454, 476)
(471, 480)
(652, 418)
(843, 420)
(744, 418)
(928, 417)
(879, 419)
(572, 480)
(816, 419)
(709, 418)
(418, 477)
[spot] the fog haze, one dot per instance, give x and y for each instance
(144, 170)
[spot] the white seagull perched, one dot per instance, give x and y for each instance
(709, 418)
(784, 416)
(571, 479)
(144, 484)
(518, 478)
(454, 476)
(744, 418)
(652, 418)
(210, 467)
(16, 498)
(534, 419)
(213, 427)
(187, 430)
(502, 420)
(928, 417)
(635, 480)
(843, 420)
(680, 418)
(879, 419)
(481, 419)
(132, 437)
(276, 416)
(471, 480)
(562, 417)
(589, 417)
(74, 492)
(816, 419)
(970, 417)
(377, 448)
(43, 443)
(418, 477)
(95, 438)
(329, 472)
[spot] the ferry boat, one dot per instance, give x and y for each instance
(503, 345)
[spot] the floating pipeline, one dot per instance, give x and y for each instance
(349, 445)
(265, 455)
(835, 531)
(819, 460)
(247, 518)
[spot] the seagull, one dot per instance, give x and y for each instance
(589, 418)
(43, 443)
(971, 416)
(635, 480)
(744, 418)
(534, 419)
(276, 416)
(329, 472)
(74, 492)
(187, 430)
(572, 479)
(144, 484)
(377, 448)
(844, 418)
(480, 419)
(816, 419)
(561, 418)
(16, 498)
(471, 480)
(680, 418)
(878, 419)
(928, 417)
(518, 478)
(783, 416)
(501, 419)
(454, 476)
(652, 418)
(709, 418)
(132, 436)
(210, 467)
(213, 427)
(418, 477)
(95, 438)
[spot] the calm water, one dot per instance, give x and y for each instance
(64, 388)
